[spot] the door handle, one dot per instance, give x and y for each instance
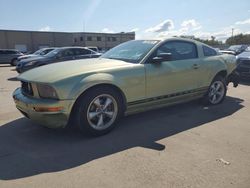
(195, 66)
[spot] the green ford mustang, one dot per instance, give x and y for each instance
(132, 77)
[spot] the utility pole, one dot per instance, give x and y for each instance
(83, 25)
(232, 35)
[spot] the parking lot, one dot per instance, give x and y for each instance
(187, 145)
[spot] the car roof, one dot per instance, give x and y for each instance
(163, 39)
(69, 47)
(10, 50)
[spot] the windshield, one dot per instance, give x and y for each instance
(38, 52)
(53, 53)
(131, 51)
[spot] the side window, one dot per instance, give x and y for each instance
(1, 52)
(79, 51)
(46, 51)
(208, 51)
(67, 53)
(179, 50)
(10, 52)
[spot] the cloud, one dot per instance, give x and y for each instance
(191, 27)
(221, 35)
(191, 24)
(135, 30)
(162, 27)
(107, 30)
(46, 28)
(244, 22)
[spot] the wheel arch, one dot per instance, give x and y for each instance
(222, 73)
(109, 85)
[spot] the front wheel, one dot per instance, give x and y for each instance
(216, 92)
(98, 111)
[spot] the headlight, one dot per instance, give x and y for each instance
(30, 63)
(46, 91)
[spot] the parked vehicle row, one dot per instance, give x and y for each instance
(37, 53)
(235, 49)
(55, 56)
(13, 56)
(9, 56)
(135, 76)
(243, 64)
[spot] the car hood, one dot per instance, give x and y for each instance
(34, 58)
(244, 55)
(27, 56)
(63, 70)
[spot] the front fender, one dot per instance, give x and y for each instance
(90, 81)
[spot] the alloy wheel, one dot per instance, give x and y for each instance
(102, 112)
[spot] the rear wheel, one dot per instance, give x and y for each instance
(98, 110)
(13, 62)
(216, 92)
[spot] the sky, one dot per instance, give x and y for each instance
(148, 18)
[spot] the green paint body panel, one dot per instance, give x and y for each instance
(137, 82)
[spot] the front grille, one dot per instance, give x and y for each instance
(245, 62)
(26, 88)
(243, 69)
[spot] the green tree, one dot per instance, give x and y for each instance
(238, 39)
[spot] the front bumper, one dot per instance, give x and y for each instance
(27, 105)
(234, 77)
(21, 69)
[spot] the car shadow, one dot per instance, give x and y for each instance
(27, 149)
(2, 66)
(12, 79)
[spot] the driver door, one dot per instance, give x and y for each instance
(178, 75)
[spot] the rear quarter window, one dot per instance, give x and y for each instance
(207, 51)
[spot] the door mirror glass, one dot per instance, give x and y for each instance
(162, 57)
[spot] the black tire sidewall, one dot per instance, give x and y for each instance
(12, 62)
(217, 78)
(82, 108)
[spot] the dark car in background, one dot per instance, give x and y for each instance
(37, 53)
(243, 64)
(94, 48)
(57, 55)
(237, 49)
(9, 56)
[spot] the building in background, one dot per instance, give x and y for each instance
(29, 41)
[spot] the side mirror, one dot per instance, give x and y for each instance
(162, 57)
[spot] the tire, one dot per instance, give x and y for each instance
(216, 92)
(97, 111)
(13, 62)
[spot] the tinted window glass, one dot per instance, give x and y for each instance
(79, 51)
(89, 38)
(67, 52)
(179, 50)
(209, 51)
(10, 52)
(99, 38)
